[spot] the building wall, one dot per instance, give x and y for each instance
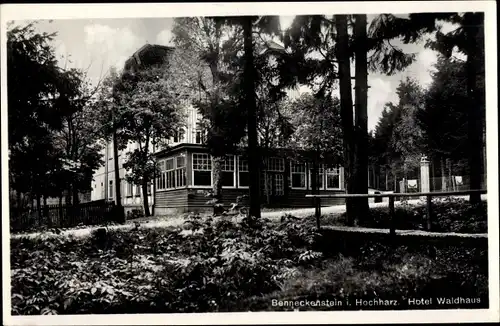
(103, 184)
(190, 196)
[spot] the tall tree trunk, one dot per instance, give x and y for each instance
(67, 195)
(314, 181)
(450, 174)
(145, 197)
(217, 162)
(432, 175)
(60, 208)
(38, 206)
(118, 196)
(386, 180)
(76, 199)
(395, 178)
(444, 185)
(474, 25)
(266, 176)
(342, 51)
(361, 123)
(249, 96)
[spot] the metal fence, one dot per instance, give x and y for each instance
(62, 216)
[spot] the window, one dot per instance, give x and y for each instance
(172, 173)
(275, 164)
(110, 189)
(320, 177)
(137, 191)
(298, 175)
(243, 179)
(200, 135)
(129, 189)
(279, 184)
(228, 171)
(179, 136)
(333, 178)
(202, 170)
(180, 172)
(169, 174)
(160, 180)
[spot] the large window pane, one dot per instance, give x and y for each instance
(319, 177)
(228, 171)
(298, 175)
(202, 178)
(298, 180)
(227, 179)
(243, 176)
(202, 170)
(333, 178)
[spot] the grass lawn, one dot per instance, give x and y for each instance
(208, 265)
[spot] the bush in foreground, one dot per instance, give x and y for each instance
(448, 215)
(219, 265)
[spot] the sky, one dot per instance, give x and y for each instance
(95, 45)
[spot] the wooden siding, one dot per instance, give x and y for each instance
(174, 198)
(295, 199)
(197, 199)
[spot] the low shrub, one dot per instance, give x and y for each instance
(448, 215)
(217, 264)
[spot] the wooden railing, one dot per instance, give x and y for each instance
(392, 196)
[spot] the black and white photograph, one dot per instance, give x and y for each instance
(218, 163)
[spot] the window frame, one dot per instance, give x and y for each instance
(282, 182)
(111, 190)
(199, 132)
(322, 174)
(292, 163)
(181, 168)
(234, 170)
(339, 171)
(170, 171)
(240, 157)
(272, 167)
(174, 170)
(130, 189)
(193, 170)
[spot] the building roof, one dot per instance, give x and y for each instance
(148, 54)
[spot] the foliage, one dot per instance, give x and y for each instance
(467, 38)
(152, 113)
(448, 215)
(444, 117)
(208, 55)
(407, 139)
(52, 106)
(318, 126)
(217, 264)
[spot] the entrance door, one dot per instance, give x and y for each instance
(273, 186)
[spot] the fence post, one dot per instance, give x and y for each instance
(392, 215)
(318, 212)
(429, 212)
